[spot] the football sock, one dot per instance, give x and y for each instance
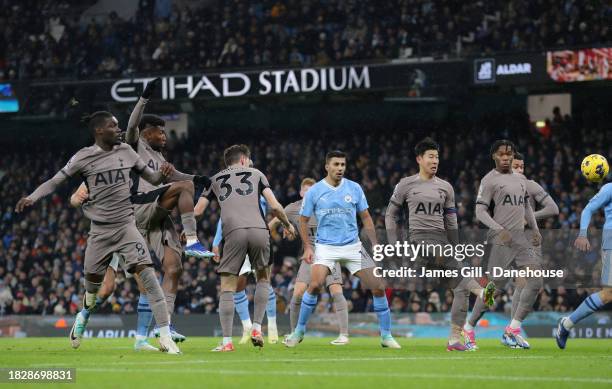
(145, 315)
(226, 312)
(341, 308)
(381, 307)
(309, 302)
(589, 305)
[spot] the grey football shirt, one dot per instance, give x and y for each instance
(107, 176)
(237, 189)
(426, 201)
(505, 196)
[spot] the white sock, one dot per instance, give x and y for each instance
(468, 327)
(246, 324)
(227, 340)
(257, 327)
(272, 322)
(140, 338)
(164, 331)
(567, 324)
(481, 294)
(191, 240)
(515, 324)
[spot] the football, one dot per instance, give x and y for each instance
(595, 167)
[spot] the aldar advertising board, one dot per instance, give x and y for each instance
(520, 69)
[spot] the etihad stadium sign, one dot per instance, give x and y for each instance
(267, 82)
(415, 76)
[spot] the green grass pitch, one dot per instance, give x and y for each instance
(422, 363)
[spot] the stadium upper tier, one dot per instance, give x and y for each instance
(76, 39)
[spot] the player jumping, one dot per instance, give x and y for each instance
(335, 202)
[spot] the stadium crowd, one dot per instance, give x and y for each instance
(55, 39)
(41, 251)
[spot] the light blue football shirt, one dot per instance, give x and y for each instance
(603, 199)
(335, 209)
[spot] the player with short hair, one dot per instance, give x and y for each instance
(245, 232)
(333, 282)
(596, 301)
(241, 302)
(432, 219)
(525, 290)
(106, 167)
(503, 206)
(335, 202)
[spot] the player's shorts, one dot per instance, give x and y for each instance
(305, 271)
(352, 256)
(154, 222)
(118, 262)
(123, 239)
(513, 255)
(254, 242)
(606, 268)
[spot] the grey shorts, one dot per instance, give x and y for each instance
(305, 270)
(513, 255)
(254, 242)
(155, 224)
(125, 240)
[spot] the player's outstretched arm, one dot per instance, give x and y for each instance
(132, 133)
(392, 222)
(43, 190)
(278, 210)
(368, 226)
(80, 196)
(200, 207)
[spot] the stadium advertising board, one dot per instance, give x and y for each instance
(579, 65)
(510, 69)
(266, 82)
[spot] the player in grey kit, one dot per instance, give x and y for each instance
(238, 188)
(503, 206)
(106, 166)
(432, 218)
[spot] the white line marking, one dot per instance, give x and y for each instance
(255, 359)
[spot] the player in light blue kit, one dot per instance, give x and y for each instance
(596, 301)
(335, 202)
(241, 302)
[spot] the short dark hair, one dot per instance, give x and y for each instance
(96, 119)
(151, 121)
(519, 156)
(334, 154)
(502, 142)
(424, 145)
(232, 154)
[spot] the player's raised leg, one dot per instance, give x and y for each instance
(590, 305)
(180, 194)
